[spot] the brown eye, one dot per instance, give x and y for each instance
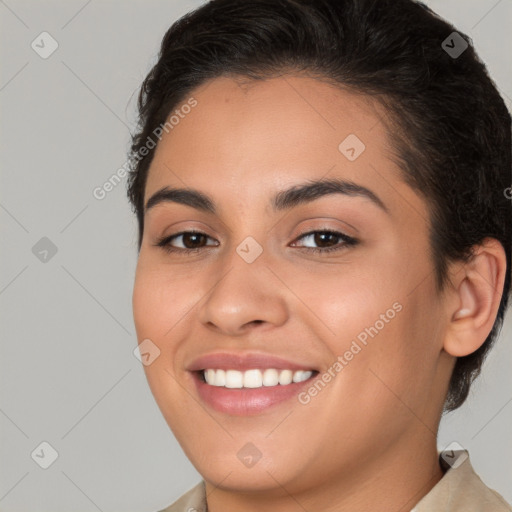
(322, 238)
(328, 240)
(187, 241)
(192, 240)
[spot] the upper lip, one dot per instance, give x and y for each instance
(244, 361)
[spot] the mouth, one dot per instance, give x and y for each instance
(250, 392)
(253, 378)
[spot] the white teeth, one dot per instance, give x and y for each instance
(254, 378)
(271, 377)
(210, 376)
(301, 376)
(220, 377)
(285, 377)
(234, 379)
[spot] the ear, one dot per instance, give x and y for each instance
(475, 298)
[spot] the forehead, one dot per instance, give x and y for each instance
(249, 138)
(236, 114)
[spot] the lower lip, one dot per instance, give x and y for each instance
(246, 401)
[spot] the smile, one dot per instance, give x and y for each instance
(250, 392)
(249, 383)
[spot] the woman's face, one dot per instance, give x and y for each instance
(250, 287)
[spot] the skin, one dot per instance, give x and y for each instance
(367, 441)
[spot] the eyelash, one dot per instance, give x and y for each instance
(348, 241)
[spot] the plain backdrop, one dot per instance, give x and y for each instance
(68, 376)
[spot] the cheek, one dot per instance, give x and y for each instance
(157, 301)
(145, 305)
(403, 356)
(369, 316)
(158, 306)
(343, 301)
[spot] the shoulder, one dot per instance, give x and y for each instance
(462, 490)
(193, 500)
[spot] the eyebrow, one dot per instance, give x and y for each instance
(302, 193)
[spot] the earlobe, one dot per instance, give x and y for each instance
(477, 298)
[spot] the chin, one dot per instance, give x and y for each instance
(229, 472)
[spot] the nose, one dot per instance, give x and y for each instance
(244, 295)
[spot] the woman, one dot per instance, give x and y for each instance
(324, 251)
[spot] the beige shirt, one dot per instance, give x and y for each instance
(460, 490)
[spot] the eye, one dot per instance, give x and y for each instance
(328, 237)
(190, 241)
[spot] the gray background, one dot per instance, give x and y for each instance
(68, 374)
